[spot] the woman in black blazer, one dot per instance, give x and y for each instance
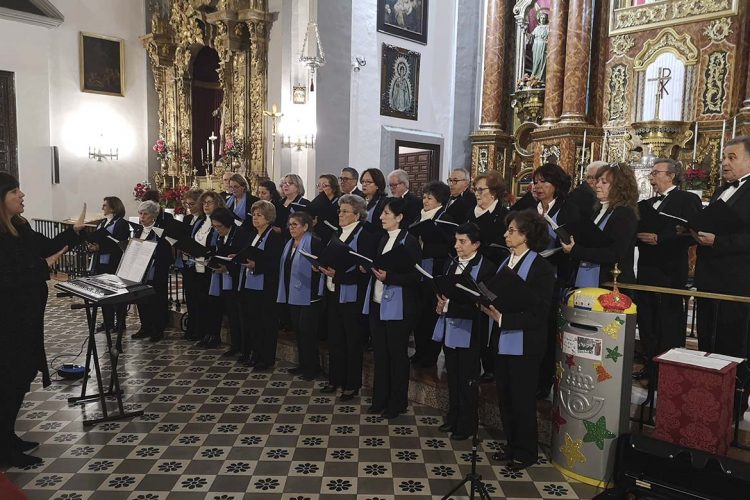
(489, 216)
(190, 200)
(324, 208)
(373, 187)
(345, 291)
(518, 338)
(203, 314)
(226, 276)
(617, 191)
(118, 228)
(293, 191)
(267, 191)
(241, 200)
(391, 303)
(259, 285)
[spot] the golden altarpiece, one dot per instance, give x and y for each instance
(232, 35)
(618, 80)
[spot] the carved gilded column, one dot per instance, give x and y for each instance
(555, 80)
(746, 102)
(577, 58)
(493, 88)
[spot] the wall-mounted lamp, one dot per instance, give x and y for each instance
(96, 153)
(298, 142)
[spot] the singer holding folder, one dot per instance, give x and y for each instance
(518, 337)
(25, 260)
(391, 303)
(293, 190)
(457, 331)
(204, 235)
(241, 201)
(194, 209)
(345, 291)
(617, 191)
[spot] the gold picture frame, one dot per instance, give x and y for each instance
(102, 64)
(624, 17)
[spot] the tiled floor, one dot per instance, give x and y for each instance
(213, 429)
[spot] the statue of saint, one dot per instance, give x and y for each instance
(400, 95)
(539, 47)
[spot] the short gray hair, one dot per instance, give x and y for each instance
(356, 202)
(467, 174)
(673, 167)
(150, 207)
(596, 165)
(403, 177)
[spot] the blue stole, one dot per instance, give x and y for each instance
(255, 281)
(552, 234)
(348, 293)
(104, 258)
(239, 209)
(456, 332)
(300, 281)
(511, 341)
(392, 302)
(225, 281)
(587, 275)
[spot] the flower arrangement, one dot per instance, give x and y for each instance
(161, 149)
(172, 198)
(232, 148)
(696, 178)
(529, 82)
(140, 189)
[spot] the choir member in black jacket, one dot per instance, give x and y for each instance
(153, 310)
(458, 331)
(435, 256)
(324, 208)
(584, 196)
(348, 180)
(293, 190)
(723, 263)
(155, 196)
(267, 191)
(301, 289)
(391, 303)
(525, 202)
(462, 200)
(25, 259)
(259, 285)
(617, 191)
(106, 263)
(240, 201)
(663, 260)
(345, 291)
(208, 307)
(191, 202)
(226, 276)
(550, 187)
(398, 181)
(489, 216)
(373, 187)
(225, 192)
(518, 338)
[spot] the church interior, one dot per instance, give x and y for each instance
(115, 99)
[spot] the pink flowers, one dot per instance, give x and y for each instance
(232, 148)
(140, 189)
(161, 149)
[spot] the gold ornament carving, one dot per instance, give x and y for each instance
(667, 40)
(719, 29)
(667, 13)
(640, 17)
(621, 44)
(618, 83)
(686, 8)
(714, 93)
(550, 149)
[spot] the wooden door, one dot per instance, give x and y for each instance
(8, 134)
(422, 165)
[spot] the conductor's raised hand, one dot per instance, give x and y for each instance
(54, 257)
(81, 222)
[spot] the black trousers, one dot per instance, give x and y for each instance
(214, 315)
(426, 351)
(189, 282)
(487, 353)
(516, 381)
(547, 364)
(731, 321)
(152, 310)
(661, 322)
(345, 337)
(305, 324)
(390, 341)
(232, 308)
(112, 316)
(12, 398)
(260, 325)
(200, 321)
(462, 367)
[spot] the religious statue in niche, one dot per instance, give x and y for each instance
(535, 52)
(399, 82)
(539, 47)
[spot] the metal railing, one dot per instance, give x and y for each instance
(75, 263)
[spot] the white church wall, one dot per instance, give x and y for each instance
(25, 53)
(79, 119)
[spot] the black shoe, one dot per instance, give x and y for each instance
(295, 371)
(447, 428)
(310, 377)
(349, 395)
(328, 388)
(252, 361)
(374, 410)
(141, 334)
(229, 352)
(390, 415)
(23, 446)
(518, 465)
(244, 360)
(15, 458)
(203, 341)
(502, 455)
(456, 436)
(260, 367)
(213, 342)
(486, 378)
(102, 327)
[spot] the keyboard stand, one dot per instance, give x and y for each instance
(114, 389)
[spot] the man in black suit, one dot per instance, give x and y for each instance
(226, 192)
(462, 199)
(663, 261)
(348, 181)
(584, 196)
(398, 181)
(723, 263)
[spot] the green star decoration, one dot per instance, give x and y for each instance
(613, 354)
(597, 432)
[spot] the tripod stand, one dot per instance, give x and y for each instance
(474, 479)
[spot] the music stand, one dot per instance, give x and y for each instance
(131, 273)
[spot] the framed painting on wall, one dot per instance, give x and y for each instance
(404, 18)
(102, 64)
(399, 82)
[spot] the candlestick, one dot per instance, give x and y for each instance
(734, 127)
(624, 151)
(202, 159)
(695, 141)
(208, 150)
(721, 148)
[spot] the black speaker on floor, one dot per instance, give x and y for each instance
(647, 468)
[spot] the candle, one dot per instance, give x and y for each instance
(734, 127)
(624, 151)
(202, 158)
(583, 154)
(208, 150)
(721, 147)
(695, 141)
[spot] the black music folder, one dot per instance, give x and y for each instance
(177, 230)
(585, 233)
(192, 248)
(460, 288)
(434, 231)
(336, 255)
(716, 218)
(507, 291)
(651, 220)
(250, 252)
(107, 243)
